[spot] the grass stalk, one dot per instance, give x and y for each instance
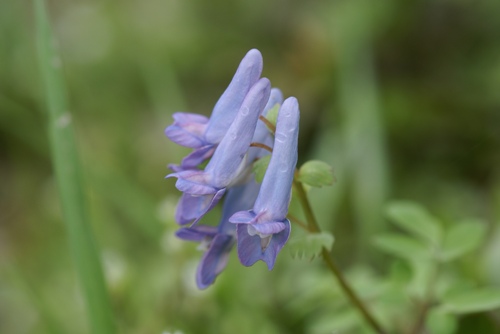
(69, 181)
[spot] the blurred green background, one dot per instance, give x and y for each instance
(402, 98)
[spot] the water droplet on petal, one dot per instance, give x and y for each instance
(280, 137)
(244, 111)
(283, 167)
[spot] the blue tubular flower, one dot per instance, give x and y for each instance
(263, 231)
(262, 134)
(203, 134)
(218, 241)
(203, 189)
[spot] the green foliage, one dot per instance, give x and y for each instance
(260, 167)
(471, 300)
(415, 219)
(429, 248)
(316, 173)
(402, 246)
(462, 238)
(310, 245)
(441, 322)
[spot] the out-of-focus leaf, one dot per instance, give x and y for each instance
(469, 301)
(316, 173)
(438, 322)
(461, 239)
(310, 245)
(415, 219)
(402, 246)
(260, 167)
(342, 321)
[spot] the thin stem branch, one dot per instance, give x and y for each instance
(268, 124)
(327, 257)
(264, 146)
(297, 221)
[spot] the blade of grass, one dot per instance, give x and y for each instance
(68, 176)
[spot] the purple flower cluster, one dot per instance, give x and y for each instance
(254, 215)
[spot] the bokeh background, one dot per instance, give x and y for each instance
(402, 98)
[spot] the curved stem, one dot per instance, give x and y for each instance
(259, 145)
(269, 125)
(298, 222)
(313, 227)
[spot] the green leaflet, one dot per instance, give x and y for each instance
(310, 245)
(316, 173)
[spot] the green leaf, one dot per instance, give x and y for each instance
(416, 220)
(316, 173)
(272, 114)
(461, 239)
(441, 322)
(67, 168)
(422, 272)
(260, 167)
(310, 245)
(469, 301)
(401, 246)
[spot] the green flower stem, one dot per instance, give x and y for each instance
(313, 227)
(67, 170)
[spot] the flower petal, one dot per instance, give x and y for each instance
(269, 228)
(276, 97)
(229, 155)
(198, 156)
(212, 200)
(243, 217)
(193, 182)
(274, 195)
(187, 130)
(238, 198)
(196, 233)
(252, 248)
(191, 209)
(214, 260)
(186, 118)
(229, 103)
(278, 240)
(249, 247)
(262, 134)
